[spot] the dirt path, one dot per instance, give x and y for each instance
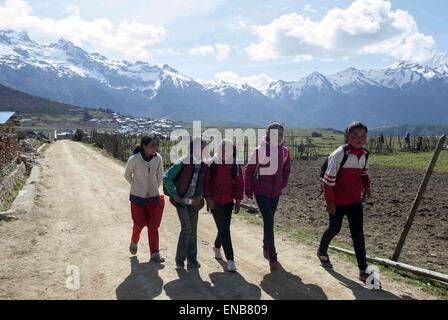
(83, 219)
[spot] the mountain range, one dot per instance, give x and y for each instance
(405, 92)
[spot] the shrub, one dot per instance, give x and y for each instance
(79, 135)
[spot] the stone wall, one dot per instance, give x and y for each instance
(8, 153)
(9, 181)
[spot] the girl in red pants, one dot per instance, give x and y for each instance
(144, 172)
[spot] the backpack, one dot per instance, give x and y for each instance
(324, 167)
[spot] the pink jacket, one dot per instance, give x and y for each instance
(270, 185)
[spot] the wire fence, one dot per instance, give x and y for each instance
(301, 147)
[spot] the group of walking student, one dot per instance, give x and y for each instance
(220, 183)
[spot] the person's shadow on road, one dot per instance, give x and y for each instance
(189, 286)
(233, 286)
(143, 283)
(283, 285)
(361, 292)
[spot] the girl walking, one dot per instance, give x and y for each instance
(224, 187)
(184, 184)
(266, 179)
(346, 183)
(144, 172)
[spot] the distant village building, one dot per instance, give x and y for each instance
(65, 135)
(9, 121)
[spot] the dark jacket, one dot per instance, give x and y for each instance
(177, 180)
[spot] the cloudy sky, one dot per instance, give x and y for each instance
(250, 41)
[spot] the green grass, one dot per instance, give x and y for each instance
(44, 147)
(313, 238)
(418, 161)
(62, 121)
(13, 194)
(104, 153)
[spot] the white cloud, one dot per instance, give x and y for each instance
(72, 10)
(239, 25)
(309, 8)
(128, 38)
(202, 51)
(260, 82)
(222, 51)
(366, 26)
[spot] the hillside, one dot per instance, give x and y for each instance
(414, 130)
(13, 100)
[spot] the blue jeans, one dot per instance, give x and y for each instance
(187, 247)
(267, 207)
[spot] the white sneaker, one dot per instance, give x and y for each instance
(231, 267)
(217, 252)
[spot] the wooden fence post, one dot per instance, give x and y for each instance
(418, 198)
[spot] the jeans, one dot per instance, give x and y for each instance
(267, 207)
(222, 213)
(187, 247)
(354, 213)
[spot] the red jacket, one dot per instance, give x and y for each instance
(222, 188)
(344, 186)
(270, 185)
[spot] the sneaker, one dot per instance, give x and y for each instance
(217, 252)
(231, 267)
(194, 264)
(156, 257)
(324, 260)
(133, 248)
(364, 277)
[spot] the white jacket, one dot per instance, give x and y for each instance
(144, 177)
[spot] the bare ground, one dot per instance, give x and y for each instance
(82, 218)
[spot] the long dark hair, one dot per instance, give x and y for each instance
(192, 145)
(353, 126)
(144, 141)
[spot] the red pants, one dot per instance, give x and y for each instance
(151, 217)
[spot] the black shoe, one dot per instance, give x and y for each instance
(156, 257)
(133, 247)
(363, 276)
(324, 260)
(194, 264)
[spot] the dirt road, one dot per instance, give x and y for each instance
(82, 219)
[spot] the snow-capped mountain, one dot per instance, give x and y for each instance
(64, 72)
(403, 92)
(438, 59)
